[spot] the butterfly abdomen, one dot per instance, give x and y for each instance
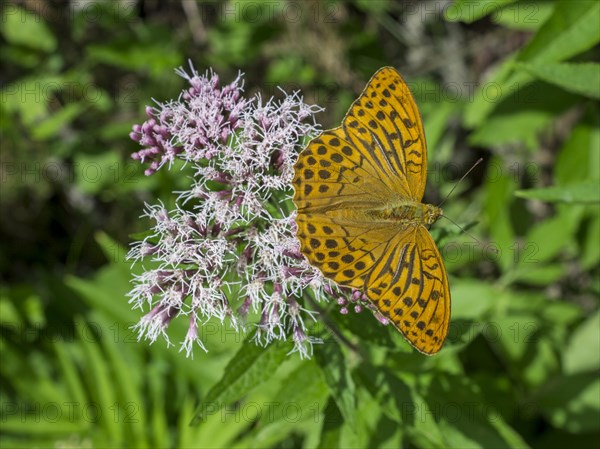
(406, 212)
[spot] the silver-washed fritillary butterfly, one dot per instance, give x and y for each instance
(358, 189)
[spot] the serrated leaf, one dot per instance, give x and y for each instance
(250, 366)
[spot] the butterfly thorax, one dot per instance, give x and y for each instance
(407, 212)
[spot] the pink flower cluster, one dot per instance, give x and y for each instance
(228, 251)
(193, 127)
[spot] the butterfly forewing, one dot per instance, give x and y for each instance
(331, 173)
(376, 160)
(386, 115)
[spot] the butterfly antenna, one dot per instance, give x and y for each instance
(458, 182)
(463, 229)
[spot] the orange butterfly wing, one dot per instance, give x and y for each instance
(377, 158)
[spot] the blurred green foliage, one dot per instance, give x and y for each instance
(514, 82)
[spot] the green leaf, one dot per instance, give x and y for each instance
(97, 172)
(106, 292)
(335, 371)
(332, 426)
(541, 275)
(572, 403)
(545, 240)
(572, 29)
(100, 381)
(56, 428)
(589, 245)
(522, 114)
(530, 353)
(291, 68)
(464, 419)
(436, 123)
(20, 27)
(490, 93)
(560, 314)
(218, 430)
(583, 351)
(580, 78)
(579, 157)
(131, 412)
(402, 404)
(469, 11)
(520, 127)
(30, 97)
(9, 316)
(68, 372)
(53, 124)
(499, 191)
(250, 366)
(375, 334)
(516, 333)
(527, 16)
(156, 373)
(298, 404)
(157, 58)
(583, 192)
(376, 8)
(471, 299)
(302, 396)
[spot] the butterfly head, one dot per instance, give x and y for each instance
(431, 213)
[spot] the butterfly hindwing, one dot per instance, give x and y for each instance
(345, 250)
(401, 272)
(416, 296)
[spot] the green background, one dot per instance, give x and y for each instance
(513, 82)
